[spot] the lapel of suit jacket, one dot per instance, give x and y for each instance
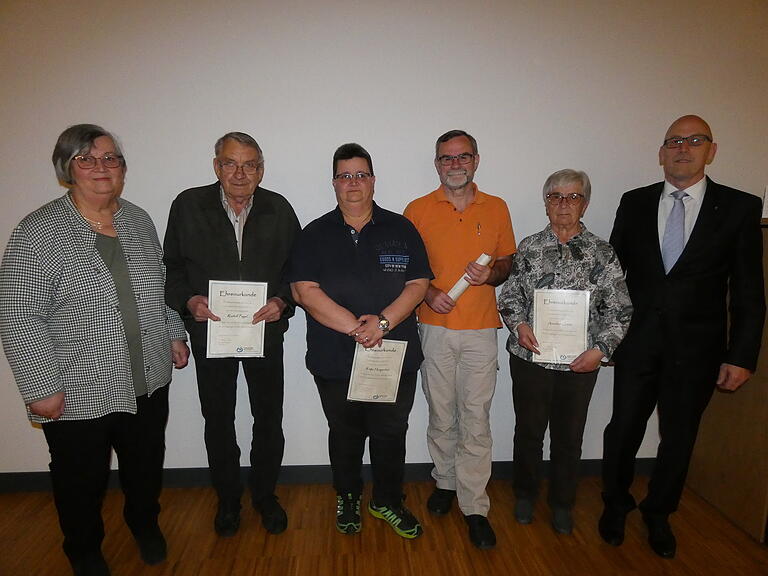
(651, 212)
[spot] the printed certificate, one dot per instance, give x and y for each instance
(235, 335)
(376, 372)
(560, 319)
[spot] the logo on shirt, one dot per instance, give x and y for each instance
(394, 262)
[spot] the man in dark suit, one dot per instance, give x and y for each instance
(235, 230)
(692, 253)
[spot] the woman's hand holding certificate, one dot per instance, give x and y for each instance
(560, 320)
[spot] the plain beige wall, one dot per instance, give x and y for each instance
(543, 85)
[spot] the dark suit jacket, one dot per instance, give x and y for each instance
(200, 245)
(687, 309)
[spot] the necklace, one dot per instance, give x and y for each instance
(96, 224)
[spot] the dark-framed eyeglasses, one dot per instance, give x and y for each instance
(230, 166)
(348, 176)
(88, 162)
(555, 198)
(446, 160)
(693, 140)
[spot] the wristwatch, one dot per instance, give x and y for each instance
(383, 323)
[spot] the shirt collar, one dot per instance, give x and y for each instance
(696, 191)
(339, 217)
(552, 236)
(440, 196)
(226, 205)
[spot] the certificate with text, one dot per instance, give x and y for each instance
(235, 336)
(376, 372)
(560, 319)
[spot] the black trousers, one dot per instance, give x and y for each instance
(681, 392)
(217, 389)
(80, 460)
(385, 425)
(559, 400)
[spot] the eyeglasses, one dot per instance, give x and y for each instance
(231, 166)
(464, 158)
(348, 176)
(693, 140)
(555, 198)
(88, 162)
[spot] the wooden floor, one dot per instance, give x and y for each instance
(707, 542)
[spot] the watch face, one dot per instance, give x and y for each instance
(384, 324)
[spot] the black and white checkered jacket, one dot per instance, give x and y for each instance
(60, 319)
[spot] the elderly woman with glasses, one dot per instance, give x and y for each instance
(563, 256)
(91, 344)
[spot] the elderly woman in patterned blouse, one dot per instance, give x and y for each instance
(565, 255)
(91, 343)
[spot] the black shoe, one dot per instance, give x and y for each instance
(524, 511)
(152, 546)
(611, 527)
(562, 521)
(348, 519)
(480, 531)
(94, 565)
(227, 521)
(398, 517)
(440, 501)
(660, 536)
(273, 517)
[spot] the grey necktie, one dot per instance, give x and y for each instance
(674, 234)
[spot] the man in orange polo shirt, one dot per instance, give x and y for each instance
(458, 223)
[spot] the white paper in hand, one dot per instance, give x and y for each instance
(462, 284)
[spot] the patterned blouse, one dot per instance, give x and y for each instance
(60, 318)
(585, 262)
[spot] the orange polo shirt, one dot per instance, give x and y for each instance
(455, 238)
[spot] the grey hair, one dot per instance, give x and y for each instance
(450, 135)
(568, 176)
(240, 137)
(76, 140)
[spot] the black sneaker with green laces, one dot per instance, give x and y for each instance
(399, 518)
(348, 513)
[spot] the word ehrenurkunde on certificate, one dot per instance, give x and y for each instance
(235, 335)
(376, 372)
(560, 319)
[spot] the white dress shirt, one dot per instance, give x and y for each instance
(692, 204)
(237, 220)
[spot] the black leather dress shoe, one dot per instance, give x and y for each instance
(440, 501)
(660, 536)
(611, 527)
(152, 546)
(273, 516)
(92, 565)
(227, 521)
(480, 532)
